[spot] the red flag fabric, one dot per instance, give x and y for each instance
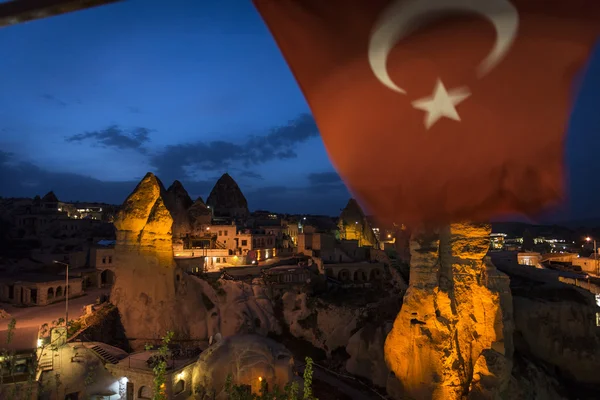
(434, 111)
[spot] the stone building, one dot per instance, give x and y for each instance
(81, 369)
(287, 275)
(38, 289)
(136, 376)
(103, 260)
(356, 273)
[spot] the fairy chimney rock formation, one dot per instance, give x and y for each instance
(199, 214)
(146, 275)
(178, 201)
(155, 295)
(144, 211)
(453, 336)
(353, 225)
(227, 200)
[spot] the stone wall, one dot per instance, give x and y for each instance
(582, 283)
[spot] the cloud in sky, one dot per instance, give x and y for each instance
(176, 161)
(250, 174)
(185, 160)
(324, 178)
(53, 99)
(29, 180)
(115, 137)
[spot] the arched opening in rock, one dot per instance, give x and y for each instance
(107, 277)
(375, 274)
(360, 275)
(344, 275)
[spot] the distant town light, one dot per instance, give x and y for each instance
(208, 228)
(389, 236)
(260, 378)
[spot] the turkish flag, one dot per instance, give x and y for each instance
(443, 110)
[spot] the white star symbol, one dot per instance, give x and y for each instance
(441, 104)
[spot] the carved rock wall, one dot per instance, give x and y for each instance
(246, 358)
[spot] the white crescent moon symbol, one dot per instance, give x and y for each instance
(404, 16)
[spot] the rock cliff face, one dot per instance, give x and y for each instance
(556, 337)
(199, 214)
(236, 307)
(153, 295)
(227, 200)
(453, 336)
(353, 225)
(326, 327)
(367, 358)
(178, 201)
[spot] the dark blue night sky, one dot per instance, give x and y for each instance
(94, 99)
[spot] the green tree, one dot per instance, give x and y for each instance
(160, 367)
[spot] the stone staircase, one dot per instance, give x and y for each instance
(104, 355)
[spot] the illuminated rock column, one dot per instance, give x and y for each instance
(450, 331)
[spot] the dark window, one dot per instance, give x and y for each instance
(110, 259)
(224, 233)
(244, 243)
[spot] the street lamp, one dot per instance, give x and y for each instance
(589, 239)
(66, 292)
